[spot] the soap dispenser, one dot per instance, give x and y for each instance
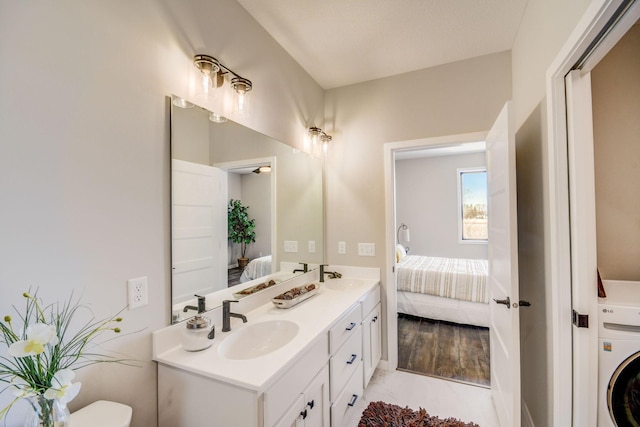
(199, 331)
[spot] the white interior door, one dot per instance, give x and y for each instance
(503, 270)
(199, 229)
(584, 276)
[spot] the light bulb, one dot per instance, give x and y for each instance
(241, 88)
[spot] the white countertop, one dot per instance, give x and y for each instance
(314, 317)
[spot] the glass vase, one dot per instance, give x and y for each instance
(47, 413)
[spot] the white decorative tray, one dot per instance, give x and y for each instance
(295, 295)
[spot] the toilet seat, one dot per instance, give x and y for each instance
(102, 413)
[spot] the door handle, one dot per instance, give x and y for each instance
(506, 301)
(523, 303)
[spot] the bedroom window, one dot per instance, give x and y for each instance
(472, 203)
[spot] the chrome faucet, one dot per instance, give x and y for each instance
(227, 315)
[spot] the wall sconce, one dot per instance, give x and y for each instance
(262, 169)
(403, 235)
(318, 137)
(214, 74)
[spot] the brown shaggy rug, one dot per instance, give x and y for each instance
(380, 414)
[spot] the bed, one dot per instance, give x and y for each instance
(257, 267)
(450, 289)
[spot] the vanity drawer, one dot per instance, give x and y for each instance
(344, 328)
(345, 362)
(343, 408)
(370, 301)
(279, 397)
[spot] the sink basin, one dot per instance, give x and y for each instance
(258, 339)
(342, 284)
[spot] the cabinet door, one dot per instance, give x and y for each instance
(293, 417)
(372, 340)
(311, 408)
(316, 412)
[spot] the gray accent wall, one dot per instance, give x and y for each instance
(427, 201)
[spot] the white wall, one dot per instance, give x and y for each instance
(427, 201)
(84, 163)
(616, 108)
(456, 98)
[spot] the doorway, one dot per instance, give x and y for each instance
(441, 269)
(252, 182)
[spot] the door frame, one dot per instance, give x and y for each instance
(558, 240)
(255, 162)
(390, 148)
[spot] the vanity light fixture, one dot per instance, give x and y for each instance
(214, 74)
(325, 139)
(317, 137)
(217, 118)
(180, 102)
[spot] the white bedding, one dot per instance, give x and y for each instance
(439, 308)
(453, 290)
(461, 279)
(257, 267)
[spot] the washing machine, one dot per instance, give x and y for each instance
(619, 355)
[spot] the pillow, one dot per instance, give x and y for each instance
(400, 252)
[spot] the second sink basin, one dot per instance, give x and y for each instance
(258, 339)
(342, 284)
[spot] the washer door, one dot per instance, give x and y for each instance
(623, 393)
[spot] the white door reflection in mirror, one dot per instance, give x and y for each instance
(199, 229)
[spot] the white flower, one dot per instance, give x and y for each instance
(38, 336)
(62, 388)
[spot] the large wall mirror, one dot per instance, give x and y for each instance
(213, 162)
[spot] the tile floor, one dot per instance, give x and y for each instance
(439, 397)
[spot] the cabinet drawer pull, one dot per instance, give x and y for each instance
(351, 326)
(353, 400)
(311, 404)
(303, 414)
(352, 359)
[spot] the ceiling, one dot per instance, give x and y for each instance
(342, 42)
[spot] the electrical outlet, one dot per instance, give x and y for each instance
(137, 292)
(312, 246)
(342, 248)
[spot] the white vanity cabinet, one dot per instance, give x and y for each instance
(307, 378)
(317, 386)
(371, 334)
(311, 408)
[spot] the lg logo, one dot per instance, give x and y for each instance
(607, 310)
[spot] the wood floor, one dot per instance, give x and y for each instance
(233, 276)
(444, 350)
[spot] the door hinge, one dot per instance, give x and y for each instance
(580, 320)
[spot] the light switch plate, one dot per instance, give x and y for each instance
(291, 246)
(367, 249)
